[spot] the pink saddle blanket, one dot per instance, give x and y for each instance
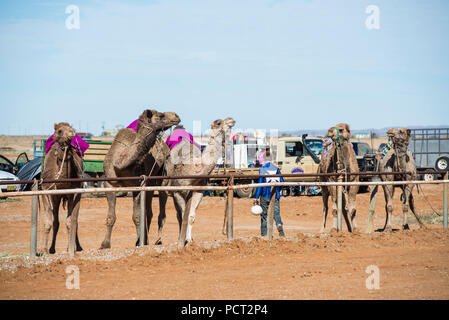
(79, 144)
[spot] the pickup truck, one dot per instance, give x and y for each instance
(300, 153)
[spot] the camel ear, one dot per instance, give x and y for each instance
(56, 126)
(331, 133)
(348, 128)
(409, 135)
(148, 113)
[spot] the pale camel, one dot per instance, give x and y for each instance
(396, 157)
(61, 161)
(187, 159)
(339, 157)
(129, 156)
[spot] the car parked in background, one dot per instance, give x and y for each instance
(366, 158)
(21, 169)
(11, 186)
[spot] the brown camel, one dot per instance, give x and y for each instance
(62, 161)
(129, 156)
(187, 159)
(396, 157)
(339, 157)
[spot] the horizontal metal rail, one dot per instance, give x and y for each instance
(210, 188)
(217, 176)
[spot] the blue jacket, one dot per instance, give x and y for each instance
(268, 168)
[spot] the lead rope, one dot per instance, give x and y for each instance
(60, 170)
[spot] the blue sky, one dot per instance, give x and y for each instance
(287, 65)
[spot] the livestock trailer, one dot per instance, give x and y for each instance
(430, 148)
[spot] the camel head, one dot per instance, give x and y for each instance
(225, 124)
(220, 126)
(154, 120)
(401, 138)
(64, 134)
(340, 130)
(170, 119)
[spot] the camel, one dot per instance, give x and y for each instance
(186, 159)
(338, 156)
(396, 157)
(130, 156)
(62, 161)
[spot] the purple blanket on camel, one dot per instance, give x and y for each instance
(79, 144)
(176, 137)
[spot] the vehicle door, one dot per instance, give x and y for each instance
(294, 157)
(21, 160)
(316, 146)
(6, 164)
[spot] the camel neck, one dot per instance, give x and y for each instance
(213, 151)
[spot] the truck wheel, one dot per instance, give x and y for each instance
(285, 192)
(428, 177)
(442, 164)
(244, 193)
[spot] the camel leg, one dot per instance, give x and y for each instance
(345, 211)
(136, 217)
(185, 221)
(72, 223)
(372, 205)
(180, 205)
(55, 215)
(325, 197)
(412, 208)
(389, 193)
(405, 207)
(48, 217)
(162, 215)
(110, 219)
(148, 214)
(195, 202)
(352, 207)
(333, 192)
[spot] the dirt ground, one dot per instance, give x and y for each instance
(306, 265)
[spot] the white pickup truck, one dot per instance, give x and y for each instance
(300, 153)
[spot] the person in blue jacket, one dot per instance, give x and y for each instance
(264, 193)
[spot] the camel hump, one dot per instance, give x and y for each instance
(125, 135)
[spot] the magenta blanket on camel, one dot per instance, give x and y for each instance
(173, 139)
(133, 125)
(79, 144)
(177, 136)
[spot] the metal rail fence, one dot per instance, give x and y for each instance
(229, 186)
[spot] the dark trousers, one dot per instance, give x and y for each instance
(264, 203)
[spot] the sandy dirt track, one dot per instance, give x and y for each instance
(306, 265)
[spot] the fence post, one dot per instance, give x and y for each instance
(339, 204)
(142, 218)
(445, 201)
(230, 210)
(34, 209)
(270, 213)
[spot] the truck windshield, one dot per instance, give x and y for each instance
(315, 145)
